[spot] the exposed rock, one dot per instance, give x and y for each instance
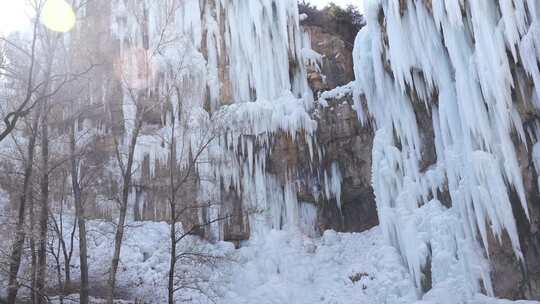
(347, 144)
(236, 228)
(332, 32)
(514, 279)
(337, 63)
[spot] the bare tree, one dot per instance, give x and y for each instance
(139, 99)
(28, 102)
(127, 171)
(182, 167)
(125, 158)
(83, 174)
(62, 250)
(50, 43)
(43, 215)
(17, 248)
(41, 84)
(78, 190)
(11, 116)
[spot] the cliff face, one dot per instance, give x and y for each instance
(439, 171)
(254, 64)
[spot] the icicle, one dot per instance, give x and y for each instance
(456, 57)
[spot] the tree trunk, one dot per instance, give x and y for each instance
(116, 256)
(172, 264)
(68, 254)
(67, 274)
(137, 216)
(17, 250)
(84, 292)
(44, 206)
(43, 216)
(79, 213)
(127, 177)
(56, 256)
(33, 269)
(172, 204)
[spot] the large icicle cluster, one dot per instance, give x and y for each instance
(258, 43)
(244, 61)
(264, 44)
(455, 59)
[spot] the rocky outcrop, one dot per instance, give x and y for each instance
(348, 144)
(337, 65)
(345, 144)
(332, 32)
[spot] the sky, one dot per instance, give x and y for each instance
(12, 15)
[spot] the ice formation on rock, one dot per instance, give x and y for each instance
(456, 59)
(242, 61)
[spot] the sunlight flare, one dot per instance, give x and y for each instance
(58, 16)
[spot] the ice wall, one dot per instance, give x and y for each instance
(242, 63)
(464, 62)
(257, 44)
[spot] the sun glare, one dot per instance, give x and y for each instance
(12, 15)
(58, 16)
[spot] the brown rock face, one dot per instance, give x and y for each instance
(341, 138)
(348, 143)
(337, 62)
(332, 32)
(344, 143)
(514, 279)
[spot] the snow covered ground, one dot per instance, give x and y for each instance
(274, 268)
(278, 267)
